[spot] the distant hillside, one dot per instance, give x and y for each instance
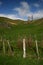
(7, 20)
(38, 22)
(16, 22)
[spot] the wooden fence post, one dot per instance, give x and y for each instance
(10, 47)
(3, 47)
(24, 48)
(37, 48)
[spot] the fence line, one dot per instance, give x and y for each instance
(24, 46)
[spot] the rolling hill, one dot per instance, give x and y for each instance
(13, 30)
(22, 27)
(7, 20)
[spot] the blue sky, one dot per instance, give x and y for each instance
(21, 9)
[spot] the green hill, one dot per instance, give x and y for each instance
(20, 27)
(7, 20)
(18, 31)
(38, 22)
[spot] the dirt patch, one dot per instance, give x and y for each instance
(13, 23)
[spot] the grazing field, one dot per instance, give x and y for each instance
(15, 35)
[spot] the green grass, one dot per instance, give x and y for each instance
(22, 30)
(9, 60)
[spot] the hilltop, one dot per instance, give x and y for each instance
(7, 20)
(38, 21)
(22, 27)
(18, 21)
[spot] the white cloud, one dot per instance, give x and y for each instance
(11, 16)
(8, 16)
(0, 3)
(36, 4)
(38, 14)
(25, 5)
(23, 9)
(23, 12)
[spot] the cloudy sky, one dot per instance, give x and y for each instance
(21, 9)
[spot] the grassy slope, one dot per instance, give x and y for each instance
(33, 28)
(12, 32)
(7, 20)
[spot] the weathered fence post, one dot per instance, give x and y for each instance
(10, 48)
(9, 45)
(3, 47)
(24, 48)
(37, 48)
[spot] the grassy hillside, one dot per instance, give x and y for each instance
(7, 20)
(21, 30)
(33, 28)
